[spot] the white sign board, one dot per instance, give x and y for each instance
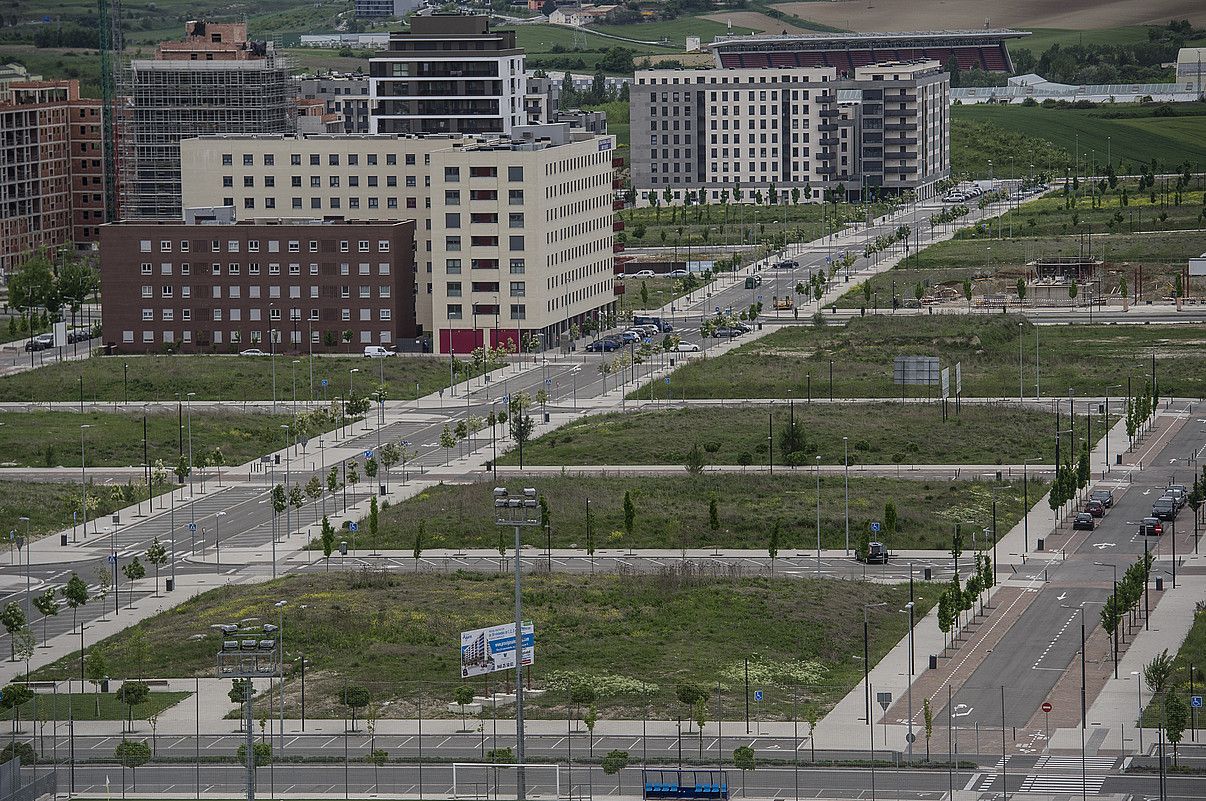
(946, 382)
(1197, 267)
(60, 334)
(958, 378)
(487, 650)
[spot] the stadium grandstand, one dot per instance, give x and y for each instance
(983, 49)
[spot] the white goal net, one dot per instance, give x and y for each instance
(485, 781)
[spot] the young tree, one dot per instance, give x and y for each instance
(13, 619)
(354, 698)
(240, 693)
(418, 542)
(521, 430)
(629, 515)
(1176, 717)
(133, 571)
(463, 696)
(96, 670)
(448, 442)
(928, 715)
(158, 557)
(132, 694)
(889, 519)
(314, 491)
(743, 760)
(104, 583)
(713, 516)
(48, 606)
(75, 593)
(613, 764)
(1158, 671)
(772, 547)
(327, 540)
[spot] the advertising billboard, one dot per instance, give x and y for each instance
(488, 650)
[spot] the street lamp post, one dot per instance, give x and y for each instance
(189, 404)
(218, 543)
(1114, 636)
(909, 608)
(867, 657)
(248, 654)
(1026, 503)
(1138, 674)
(280, 622)
(28, 546)
(84, 478)
(518, 511)
(818, 474)
(846, 473)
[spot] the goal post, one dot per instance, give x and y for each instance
(483, 780)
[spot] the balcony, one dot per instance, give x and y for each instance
(900, 98)
(617, 205)
(896, 126)
(900, 112)
(617, 183)
(617, 163)
(828, 141)
(829, 112)
(825, 155)
(900, 170)
(827, 127)
(826, 171)
(618, 225)
(617, 248)
(901, 141)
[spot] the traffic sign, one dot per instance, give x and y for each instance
(910, 738)
(112, 559)
(884, 700)
(1195, 701)
(758, 695)
(1047, 706)
(192, 527)
(667, 379)
(324, 382)
(875, 527)
(368, 454)
(353, 527)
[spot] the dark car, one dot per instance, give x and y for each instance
(1084, 521)
(1150, 527)
(1095, 508)
(603, 345)
(1165, 508)
(877, 553)
(1104, 495)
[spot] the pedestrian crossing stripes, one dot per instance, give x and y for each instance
(1096, 764)
(986, 782)
(1053, 783)
(1001, 763)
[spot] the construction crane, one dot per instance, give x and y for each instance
(111, 45)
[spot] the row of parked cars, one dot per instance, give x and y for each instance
(730, 330)
(636, 334)
(1164, 508)
(46, 341)
(1099, 502)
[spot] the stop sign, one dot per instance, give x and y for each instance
(1046, 706)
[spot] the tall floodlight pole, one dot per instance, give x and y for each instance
(519, 511)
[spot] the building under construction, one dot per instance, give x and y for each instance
(214, 81)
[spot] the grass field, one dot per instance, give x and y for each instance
(50, 439)
(879, 433)
(672, 511)
(234, 378)
(1192, 652)
(1083, 357)
(661, 292)
(1129, 141)
(633, 637)
(1041, 39)
(673, 32)
(550, 46)
(83, 706)
(51, 507)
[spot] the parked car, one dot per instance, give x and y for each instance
(744, 328)
(253, 352)
(724, 331)
(679, 273)
(1165, 508)
(40, 342)
(1104, 495)
(877, 553)
(603, 345)
(643, 274)
(632, 336)
(1084, 521)
(377, 352)
(687, 347)
(1150, 527)
(1177, 495)
(1095, 508)
(647, 330)
(78, 335)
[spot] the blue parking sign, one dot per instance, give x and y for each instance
(324, 382)
(353, 527)
(758, 695)
(875, 527)
(1195, 701)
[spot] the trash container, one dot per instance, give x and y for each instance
(1159, 584)
(276, 458)
(546, 417)
(105, 684)
(62, 539)
(998, 475)
(381, 489)
(933, 662)
(929, 573)
(1118, 458)
(171, 584)
(1038, 546)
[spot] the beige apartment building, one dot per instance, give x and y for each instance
(513, 235)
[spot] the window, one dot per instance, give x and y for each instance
(147, 268)
(353, 180)
(249, 203)
(313, 245)
(233, 268)
(248, 160)
(518, 289)
(227, 160)
(333, 159)
(391, 160)
(253, 268)
(315, 160)
(365, 291)
(515, 197)
(248, 182)
(452, 175)
(516, 242)
(184, 246)
(515, 220)
(274, 314)
(269, 160)
(185, 268)
(454, 311)
(294, 269)
(217, 291)
(295, 159)
(353, 159)
(274, 269)
(452, 243)
(452, 266)
(148, 291)
(253, 246)
(232, 246)
(517, 266)
(333, 180)
(514, 173)
(315, 182)
(452, 220)
(165, 246)
(167, 290)
(362, 246)
(519, 311)
(383, 291)
(144, 246)
(343, 246)
(186, 314)
(371, 159)
(313, 268)
(383, 268)
(186, 291)
(452, 197)
(168, 315)
(148, 314)
(217, 314)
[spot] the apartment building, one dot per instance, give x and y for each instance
(884, 130)
(290, 285)
(346, 95)
(716, 129)
(51, 170)
(568, 180)
(905, 126)
(214, 81)
(448, 74)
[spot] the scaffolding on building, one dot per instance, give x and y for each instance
(166, 101)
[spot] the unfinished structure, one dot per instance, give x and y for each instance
(215, 81)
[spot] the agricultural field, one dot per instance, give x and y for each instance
(1088, 358)
(633, 638)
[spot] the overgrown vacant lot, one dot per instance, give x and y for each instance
(1085, 359)
(878, 433)
(54, 507)
(632, 637)
(233, 378)
(673, 511)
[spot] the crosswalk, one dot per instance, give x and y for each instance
(1057, 783)
(1073, 763)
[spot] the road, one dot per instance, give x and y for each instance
(1042, 644)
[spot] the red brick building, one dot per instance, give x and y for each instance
(211, 287)
(51, 169)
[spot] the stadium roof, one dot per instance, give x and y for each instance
(813, 40)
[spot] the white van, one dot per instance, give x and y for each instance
(377, 352)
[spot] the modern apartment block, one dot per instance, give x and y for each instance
(383, 9)
(905, 126)
(51, 171)
(290, 285)
(346, 95)
(214, 81)
(884, 130)
(535, 253)
(448, 74)
(716, 129)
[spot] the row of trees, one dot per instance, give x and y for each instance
(1125, 599)
(958, 598)
(46, 286)
(1141, 409)
(1070, 480)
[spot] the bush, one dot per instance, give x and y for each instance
(23, 750)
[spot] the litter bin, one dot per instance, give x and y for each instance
(1118, 458)
(62, 539)
(546, 417)
(276, 458)
(1159, 583)
(381, 489)
(171, 584)
(933, 662)
(929, 573)
(1038, 546)
(105, 684)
